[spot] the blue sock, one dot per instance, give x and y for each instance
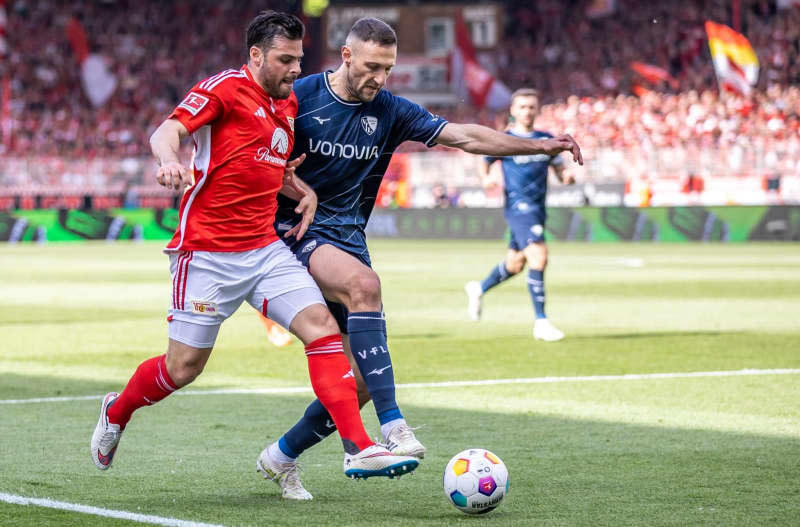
(367, 332)
(536, 289)
(315, 425)
(499, 274)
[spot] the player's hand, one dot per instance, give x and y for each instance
(288, 172)
(307, 207)
(563, 143)
(173, 175)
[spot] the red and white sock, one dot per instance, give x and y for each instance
(335, 385)
(149, 384)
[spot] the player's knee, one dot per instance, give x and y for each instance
(515, 266)
(183, 371)
(314, 322)
(365, 292)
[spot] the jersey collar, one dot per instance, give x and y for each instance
(336, 97)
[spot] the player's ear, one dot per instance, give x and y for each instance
(347, 55)
(256, 56)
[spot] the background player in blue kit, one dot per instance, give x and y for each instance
(348, 127)
(525, 188)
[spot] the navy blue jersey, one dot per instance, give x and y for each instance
(348, 147)
(525, 177)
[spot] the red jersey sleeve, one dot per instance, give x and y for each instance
(204, 103)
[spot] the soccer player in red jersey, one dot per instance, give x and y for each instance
(225, 249)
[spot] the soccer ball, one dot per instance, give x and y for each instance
(475, 481)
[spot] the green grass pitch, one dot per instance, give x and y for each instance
(76, 319)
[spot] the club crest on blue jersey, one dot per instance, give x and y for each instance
(369, 123)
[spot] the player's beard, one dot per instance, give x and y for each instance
(363, 94)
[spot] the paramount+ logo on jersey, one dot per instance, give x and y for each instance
(279, 145)
(347, 151)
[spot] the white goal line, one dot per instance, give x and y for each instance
(446, 384)
(97, 511)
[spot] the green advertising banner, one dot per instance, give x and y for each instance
(587, 224)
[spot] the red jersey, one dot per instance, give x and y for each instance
(242, 139)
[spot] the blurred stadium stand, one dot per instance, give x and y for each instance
(669, 140)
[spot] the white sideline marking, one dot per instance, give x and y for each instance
(97, 511)
(449, 384)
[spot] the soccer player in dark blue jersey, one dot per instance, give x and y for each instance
(348, 126)
(525, 187)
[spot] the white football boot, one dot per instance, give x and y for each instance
(401, 441)
(475, 302)
(106, 436)
(285, 475)
(376, 460)
(544, 330)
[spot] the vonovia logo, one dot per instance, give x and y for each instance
(204, 308)
(280, 141)
(369, 123)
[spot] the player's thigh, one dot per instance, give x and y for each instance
(285, 292)
(536, 254)
(344, 278)
(207, 288)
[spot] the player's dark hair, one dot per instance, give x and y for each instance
(373, 30)
(524, 92)
(270, 24)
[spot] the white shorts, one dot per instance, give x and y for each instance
(208, 287)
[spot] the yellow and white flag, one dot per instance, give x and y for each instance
(735, 61)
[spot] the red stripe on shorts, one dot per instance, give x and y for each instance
(176, 280)
(264, 307)
(185, 275)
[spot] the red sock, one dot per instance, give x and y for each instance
(335, 386)
(149, 384)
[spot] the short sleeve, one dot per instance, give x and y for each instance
(201, 107)
(556, 160)
(412, 122)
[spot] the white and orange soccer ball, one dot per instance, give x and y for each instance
(475, 481)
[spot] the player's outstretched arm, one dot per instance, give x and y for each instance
(477, 139)
(165, 144)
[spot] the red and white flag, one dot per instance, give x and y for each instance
(98, 81)
(735, 61)
(471, 80)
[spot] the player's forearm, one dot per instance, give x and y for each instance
(165, 142)
(477, 139)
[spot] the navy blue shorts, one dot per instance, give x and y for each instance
(526, 228)
(304, 248)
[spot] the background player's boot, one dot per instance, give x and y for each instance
(544, 330)
(275, 333)
(106, 435)
(475, 296)
(285, 475)
(401, 441)
(376, 460)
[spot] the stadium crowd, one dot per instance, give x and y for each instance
(579, 64)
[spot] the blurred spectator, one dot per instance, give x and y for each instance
(580, 65)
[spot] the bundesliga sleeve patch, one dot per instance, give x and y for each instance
(193, 103)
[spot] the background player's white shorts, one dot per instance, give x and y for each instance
(207, 287)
